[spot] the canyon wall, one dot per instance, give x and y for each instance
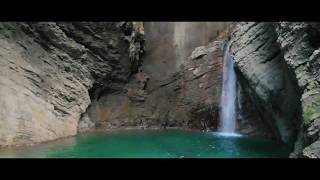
(176, 89)
(278, 64)
(48, 70)
(173, 88)
(58, 79)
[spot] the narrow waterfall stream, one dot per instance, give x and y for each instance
(229, 95)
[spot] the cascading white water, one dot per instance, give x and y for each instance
(229, 95)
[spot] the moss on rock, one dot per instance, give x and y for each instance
(8, 29)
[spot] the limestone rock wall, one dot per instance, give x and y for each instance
(169, 44)
(178, 85)
(63, 78)
(301, 46)
(47, 70)
(188, 99)
(279, 65)
(265, 73)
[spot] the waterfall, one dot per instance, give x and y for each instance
(180, 41)
(239, 108)
(229, 95)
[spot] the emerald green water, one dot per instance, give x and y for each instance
(153, 144)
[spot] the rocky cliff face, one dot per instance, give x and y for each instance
(169, 44)
(188, 97)
(278, 65)
(171, 90)
(49, 73)
(58, 79)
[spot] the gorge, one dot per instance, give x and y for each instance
(168, 86)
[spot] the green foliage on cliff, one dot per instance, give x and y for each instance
(8, 29)
(307, 115)
(8, 25)
(310, 114)
(311, 107)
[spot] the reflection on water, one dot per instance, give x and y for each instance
(36, 151)
(153, 144)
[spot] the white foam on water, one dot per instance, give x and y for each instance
(226, 134)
